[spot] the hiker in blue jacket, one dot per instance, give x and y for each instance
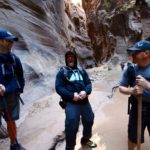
(11, 85)
(136, 80)
(74, 86)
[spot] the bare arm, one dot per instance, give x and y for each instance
(136, 90)
(125, 90)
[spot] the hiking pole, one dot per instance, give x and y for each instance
(11, 124)
(139, 121)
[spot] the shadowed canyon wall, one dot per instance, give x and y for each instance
(115, 25)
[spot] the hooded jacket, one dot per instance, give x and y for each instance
(68, 53)
(71, 80)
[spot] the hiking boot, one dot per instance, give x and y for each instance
(16, 147)
(89, 143)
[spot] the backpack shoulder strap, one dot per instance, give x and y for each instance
(11, 61)
(14, 65)
(81, 71)
(64, 71)
(14, 60)
(132, 74)
(15, 73)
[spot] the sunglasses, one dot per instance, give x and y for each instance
(7, 42)
(130, 53)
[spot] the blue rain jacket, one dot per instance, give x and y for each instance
(11, 73)
(70, 81)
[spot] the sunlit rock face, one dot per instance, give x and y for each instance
(114, 26)
(46, 30)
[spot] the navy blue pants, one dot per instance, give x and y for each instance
(132, 126)
(73, 114)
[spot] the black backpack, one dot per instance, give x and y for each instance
(12, 62)
(132, 78)
(65, 72)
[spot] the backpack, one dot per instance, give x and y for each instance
(12, 61)
(65, 72)
(14, 70)
(132, 78)
(132, 74)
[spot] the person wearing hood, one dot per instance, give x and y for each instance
(11, 85)
(73, 85)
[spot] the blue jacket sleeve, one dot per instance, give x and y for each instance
(61, 87)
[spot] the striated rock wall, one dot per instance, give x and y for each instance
(115, 25)
(46, 30)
